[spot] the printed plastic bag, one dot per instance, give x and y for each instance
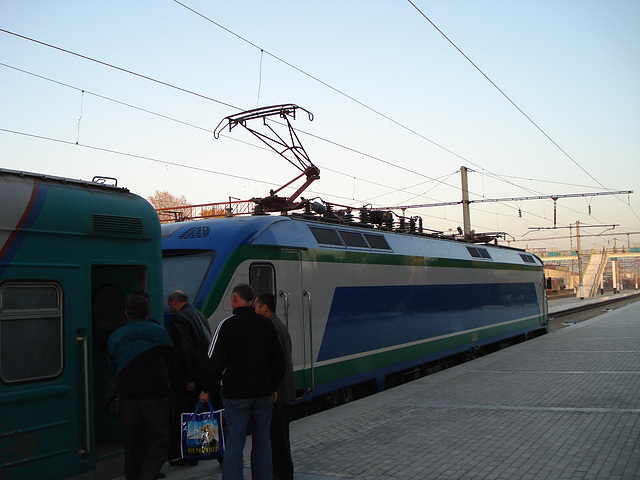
(202, 437)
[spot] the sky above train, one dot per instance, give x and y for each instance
(534, 98)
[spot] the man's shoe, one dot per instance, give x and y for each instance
(181, 462)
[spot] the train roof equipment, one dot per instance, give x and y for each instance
(282, 147)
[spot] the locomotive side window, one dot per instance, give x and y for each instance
(262, 277)
(340, 238)
(474, 252)
(30, 332)
(326, 236)
(377, 241)
(353, 239)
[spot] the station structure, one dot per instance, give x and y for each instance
(590, 272)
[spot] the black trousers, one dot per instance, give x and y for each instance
(184, 402)
(145, 425)
(280, 446)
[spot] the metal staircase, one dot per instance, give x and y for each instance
(593, 273)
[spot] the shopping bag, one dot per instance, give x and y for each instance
(202, 437)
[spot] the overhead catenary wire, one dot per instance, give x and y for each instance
(133, 155)
(121, 69)
(143, 157)
(336, 90)
(208, 98)
(208, 130)
(377, 112)
(227, 104)
(168, 163)
(502, 175)
(507, 97)
(540, 194)
(378, 159)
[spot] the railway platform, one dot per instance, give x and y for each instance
(570, 303)
(561, 406)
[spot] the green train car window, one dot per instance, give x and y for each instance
(30, 332)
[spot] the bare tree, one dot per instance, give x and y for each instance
(173, 208)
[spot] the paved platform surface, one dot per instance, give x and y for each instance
(562, 406)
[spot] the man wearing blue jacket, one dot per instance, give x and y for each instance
(246, 355)
(139, 355)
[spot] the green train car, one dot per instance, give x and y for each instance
(70, 251)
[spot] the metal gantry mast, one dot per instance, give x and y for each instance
(466, 202)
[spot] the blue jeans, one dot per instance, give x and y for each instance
(240, 414)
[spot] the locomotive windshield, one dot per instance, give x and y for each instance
(186, 271)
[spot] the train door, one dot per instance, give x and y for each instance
(109, 286)
(286, 283)
(291, 305)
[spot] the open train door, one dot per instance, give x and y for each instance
(110, 284)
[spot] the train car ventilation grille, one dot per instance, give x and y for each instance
(117, 224)
(477, 252)
(194, 232)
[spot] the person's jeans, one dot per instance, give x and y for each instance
(240, 414)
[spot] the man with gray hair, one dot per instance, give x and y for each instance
(191, 334)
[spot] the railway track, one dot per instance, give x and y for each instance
(574, 315)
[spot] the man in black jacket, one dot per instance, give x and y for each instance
(246, 355)
(191, 334)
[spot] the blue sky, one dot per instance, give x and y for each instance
(572, 66)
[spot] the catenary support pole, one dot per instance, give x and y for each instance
(466, 217)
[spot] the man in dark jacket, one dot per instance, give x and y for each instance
(139, 355)
(246, 355)
(265, 304)
(191, 334)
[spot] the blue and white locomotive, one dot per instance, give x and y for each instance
(361, 304)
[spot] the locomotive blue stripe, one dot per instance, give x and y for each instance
(363, 319)
(31, 212)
